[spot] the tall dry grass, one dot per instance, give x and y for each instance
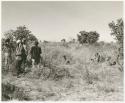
(80, 72)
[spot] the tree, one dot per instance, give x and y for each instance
(83, 37)
(23, 32)
(20, 33)
(9, 34)
(92, 37)
(63, 40)
(117, 30)
(72, 40)
(87, 37)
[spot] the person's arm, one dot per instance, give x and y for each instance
(3, 48)
(26, 50)
(40, 50)
(31, 50)
(12, 48)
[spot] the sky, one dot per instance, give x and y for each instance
(55, 20)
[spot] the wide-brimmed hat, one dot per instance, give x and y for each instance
(18, 41)
(23, 40)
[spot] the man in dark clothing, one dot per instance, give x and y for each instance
(35, 54)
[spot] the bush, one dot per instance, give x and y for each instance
(88, 37)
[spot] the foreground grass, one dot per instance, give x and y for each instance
(67, 88)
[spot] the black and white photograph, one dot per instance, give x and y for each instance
(62, 51)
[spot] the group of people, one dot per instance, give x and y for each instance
(21, 53)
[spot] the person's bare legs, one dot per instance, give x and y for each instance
(38, 65)
(6, 61)
(33, 63)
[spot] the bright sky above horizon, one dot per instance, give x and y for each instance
(53, 20)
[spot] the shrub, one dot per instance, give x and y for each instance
(88, 37)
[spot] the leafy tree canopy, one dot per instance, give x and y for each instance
(87, 37)
(20, 33)
(117, 30)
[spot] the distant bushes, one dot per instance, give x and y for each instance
(87, 37)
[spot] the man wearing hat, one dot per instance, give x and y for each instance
(19, 56)
(25, 53)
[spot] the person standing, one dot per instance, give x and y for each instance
(19, 57)
(7, 53)
(35, 54)
(24, 59)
